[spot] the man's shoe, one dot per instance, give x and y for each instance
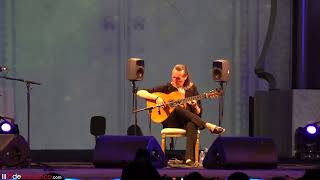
(217, 130)
(189, 162)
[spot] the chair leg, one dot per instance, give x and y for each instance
(196, 149)
(163, 143)
(171, 143)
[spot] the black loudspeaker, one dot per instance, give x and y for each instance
(221, 70)
(14, 150)
(119, 151)
(135, 69)
(98, 125)
(241, 152)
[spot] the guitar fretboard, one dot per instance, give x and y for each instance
(185, 100)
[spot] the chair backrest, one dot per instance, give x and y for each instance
(98, 125)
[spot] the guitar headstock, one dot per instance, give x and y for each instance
(214, 93)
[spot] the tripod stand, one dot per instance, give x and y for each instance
(28, 86)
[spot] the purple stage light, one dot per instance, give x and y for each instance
(6, 127)
(311, 129)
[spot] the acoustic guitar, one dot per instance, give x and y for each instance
(161, 113)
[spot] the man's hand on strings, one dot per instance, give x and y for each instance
(160, 101)
(193, 103)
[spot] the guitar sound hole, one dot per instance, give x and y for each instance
(172, 103)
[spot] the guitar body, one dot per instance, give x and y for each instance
(158, 115)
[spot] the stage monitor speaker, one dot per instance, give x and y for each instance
(119, 151)
(221, 70)
(241, 152)
(135, 69)
(14, 150)
(98, 125)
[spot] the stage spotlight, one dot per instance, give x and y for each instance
(7, 128)
(307, 142)
(311, 129)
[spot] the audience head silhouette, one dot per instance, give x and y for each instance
(238, 176)
(140, 168)
(131, 131)
(311, 174)
(193, 176)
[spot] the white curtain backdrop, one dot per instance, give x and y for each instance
(78, 50)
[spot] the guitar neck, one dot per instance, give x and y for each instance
(198, 97)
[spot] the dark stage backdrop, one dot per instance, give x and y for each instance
(78, 50)
(306, 43)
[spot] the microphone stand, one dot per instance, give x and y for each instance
(149, 109)
(28, 83)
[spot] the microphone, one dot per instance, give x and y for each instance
(2, 68)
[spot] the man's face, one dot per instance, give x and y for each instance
(178, 78)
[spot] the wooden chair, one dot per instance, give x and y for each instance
(175, 133)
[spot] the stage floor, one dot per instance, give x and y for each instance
(84, 170)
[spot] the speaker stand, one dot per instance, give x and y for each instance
(134, 104)
(221, 103)
(149, 115)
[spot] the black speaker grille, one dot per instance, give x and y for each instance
(15, 152)
(241, 152)
(118, 151)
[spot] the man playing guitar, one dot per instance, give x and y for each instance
(186, 116)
